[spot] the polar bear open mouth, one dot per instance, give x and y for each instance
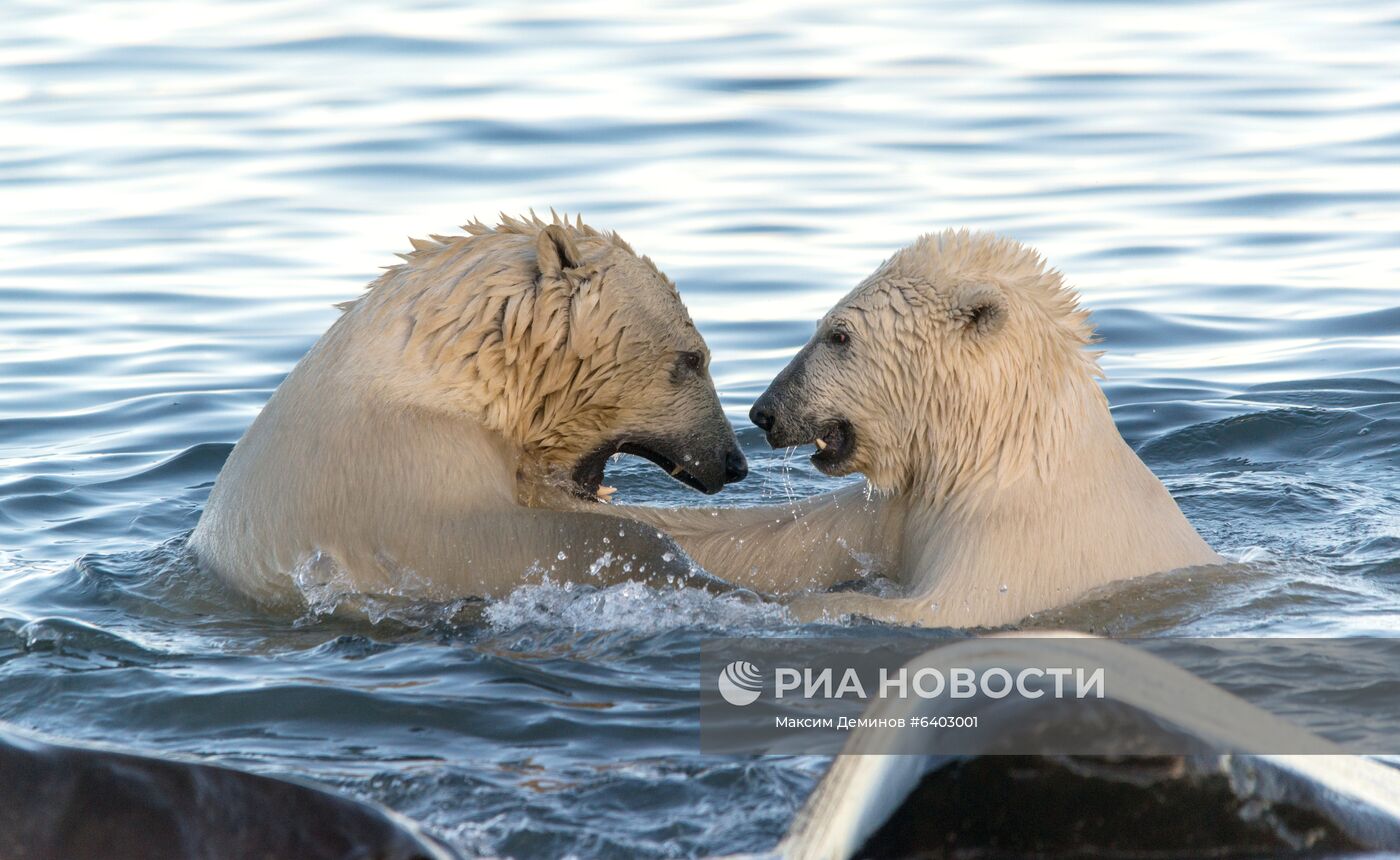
(836, 442)
(588, 474)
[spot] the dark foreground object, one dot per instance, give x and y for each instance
(893, 793)
(72, 803)
(1005, 807)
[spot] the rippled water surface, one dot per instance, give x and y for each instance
(188, 187)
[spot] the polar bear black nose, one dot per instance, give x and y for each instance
(762, 417)
(736, 468)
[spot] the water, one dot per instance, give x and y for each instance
(186, 189)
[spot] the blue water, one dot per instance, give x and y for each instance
(186, 188)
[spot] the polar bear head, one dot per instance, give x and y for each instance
(560, 338)
(962, 356)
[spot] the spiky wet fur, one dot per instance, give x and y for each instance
(424, 445)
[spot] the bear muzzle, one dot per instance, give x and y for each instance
(834, 438)
(708, 472)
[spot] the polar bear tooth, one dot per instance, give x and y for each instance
(604, 494)
(676, 471)
(821, 445)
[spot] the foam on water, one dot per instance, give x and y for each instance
(634, 607)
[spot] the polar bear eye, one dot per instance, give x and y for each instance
(692, 360)
(839, 337)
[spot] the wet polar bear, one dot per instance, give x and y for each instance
(441, 437)
(956, 379)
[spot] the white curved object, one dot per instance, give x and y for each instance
(877, 770)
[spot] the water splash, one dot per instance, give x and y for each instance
(633, 607)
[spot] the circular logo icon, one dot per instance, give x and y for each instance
(740, 683)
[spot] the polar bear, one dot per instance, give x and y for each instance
(449, 432)
(957, 380)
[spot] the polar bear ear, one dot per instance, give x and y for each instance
(556, 252)
(980, 310)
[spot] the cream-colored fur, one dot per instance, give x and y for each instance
(427, 443)
(1000, 485)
